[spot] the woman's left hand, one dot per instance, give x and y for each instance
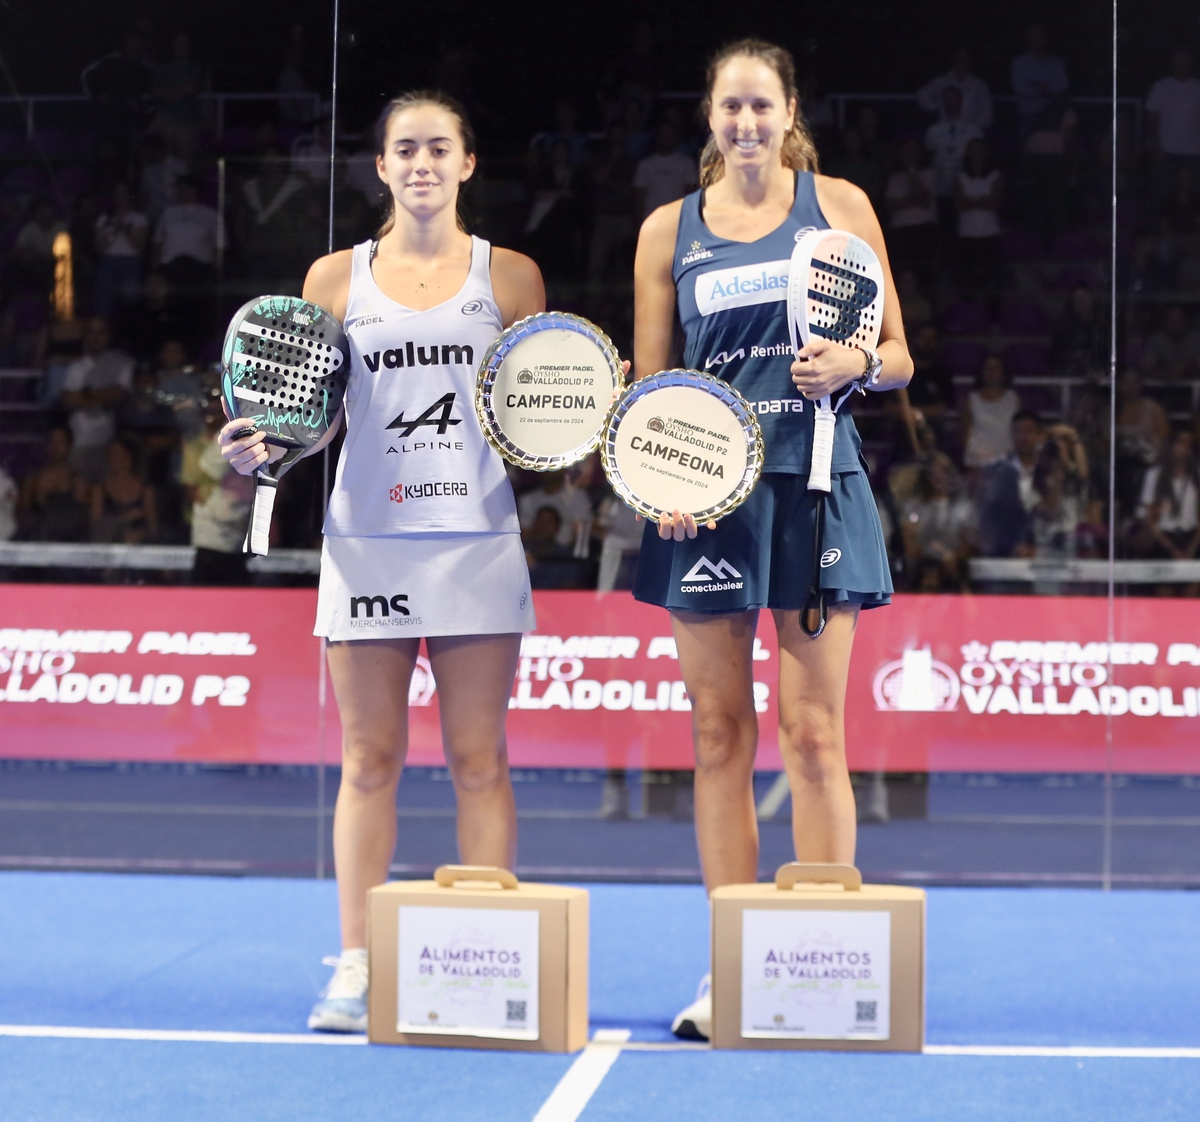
(824, 367)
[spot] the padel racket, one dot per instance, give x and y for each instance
(835, 292)
(284, 368)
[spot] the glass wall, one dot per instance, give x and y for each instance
(1023, 713)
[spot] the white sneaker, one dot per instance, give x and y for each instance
(343, 1003)
(695, 1022)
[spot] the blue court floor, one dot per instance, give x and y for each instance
(181, 998)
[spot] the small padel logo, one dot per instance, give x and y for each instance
(396, 494)
(830, 557)
(472, 307)
(916, 684)
(302, 317)
(696, 252)
(655, 424)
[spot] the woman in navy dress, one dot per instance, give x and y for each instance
(720, 257)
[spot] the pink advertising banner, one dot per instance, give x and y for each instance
(938, 683)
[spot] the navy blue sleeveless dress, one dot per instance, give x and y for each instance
(732, 299)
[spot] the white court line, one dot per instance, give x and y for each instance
(601, 1052)
(71, 1032)
(584, 1076)
(1081, 1052)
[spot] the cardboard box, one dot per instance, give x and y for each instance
(818, 960)
(473, 959)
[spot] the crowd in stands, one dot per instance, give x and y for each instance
(993, 190)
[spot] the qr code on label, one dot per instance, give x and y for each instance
(863, 1011)
(516, 1011)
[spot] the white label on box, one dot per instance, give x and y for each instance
(816, 975)
(468, 972)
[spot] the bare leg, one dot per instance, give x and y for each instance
(715, 657)
(475, 677)
(370, 681)
(812, 734)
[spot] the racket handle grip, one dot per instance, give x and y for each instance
(824, 420)
(258, 533)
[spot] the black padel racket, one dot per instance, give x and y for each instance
(284, 368)
(835, 291)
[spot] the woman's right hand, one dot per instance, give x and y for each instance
(245, 453)
(676, 526)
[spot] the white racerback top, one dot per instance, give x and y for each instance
(414, 459)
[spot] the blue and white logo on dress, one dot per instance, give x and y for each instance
(830, 557)
(741, 286)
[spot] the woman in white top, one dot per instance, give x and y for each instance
(978, 196)
(421, 539)
(988, 417)
(1169, 512)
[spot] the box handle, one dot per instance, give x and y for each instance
(796, 873)
(447, 876)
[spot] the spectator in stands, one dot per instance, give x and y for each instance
(219, 500)
(8, 506)
(55, 501)
(188, 241)
(1173, 352)
(1181, 209)
(1173, 127)
(180, 387)
(612, 195)
(565, 132)
(1006, 495)
(1142, 429)
(667, 173)
(120, 240)
(931, 391)
(1168, 515)
(122, 503)
(620, 535)
(976, 97)
(989, 420)
(551, 564)
(947, 140)
(94, 388)
(85, 213)
(855, 163)
(158, 173)
(638, 138)
(146, 326)
(1060, 482)
(918, 308)
(911, 202)
(178, 83)
(937, 527)
(1081, 338)
(31, 259)
(978, 197)
(1050, 168)
(558, 491)
(1038, 78)
(552, 233)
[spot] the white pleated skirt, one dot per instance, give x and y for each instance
(423, 584)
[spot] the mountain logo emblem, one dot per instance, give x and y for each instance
(705, 570)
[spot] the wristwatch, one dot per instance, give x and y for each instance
(869, 378)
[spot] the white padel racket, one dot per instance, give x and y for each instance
(835, 292)
(284, 368)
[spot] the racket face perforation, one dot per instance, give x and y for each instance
(842, 288)
(286, 366)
